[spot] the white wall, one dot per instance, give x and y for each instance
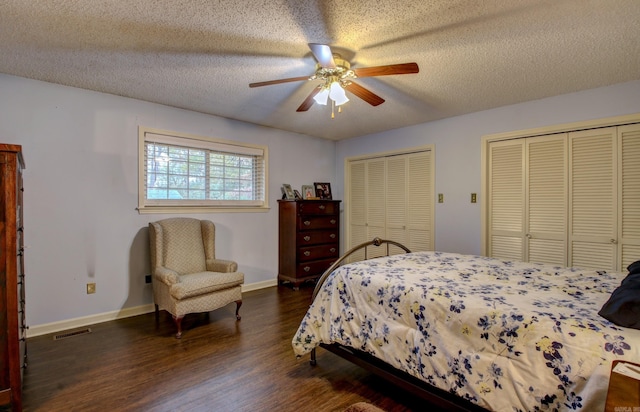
(80, 195)
(458, 151)
(81, 223)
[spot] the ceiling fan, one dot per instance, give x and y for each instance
(336, 76)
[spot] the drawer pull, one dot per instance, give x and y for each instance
(306, 223)
(332, 236)
(332, 250)
(333, 221)
(307, 268)
(321, 207)
(307, 253)
(307, 238)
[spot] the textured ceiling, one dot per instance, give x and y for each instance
(201, 54)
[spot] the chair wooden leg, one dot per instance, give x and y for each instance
(238, 304)
(157, 313)
(178, 322)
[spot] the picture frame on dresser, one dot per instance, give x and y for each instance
(288, 191)
(323, 190)
(308, 192)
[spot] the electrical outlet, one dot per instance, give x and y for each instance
(474, 198)
(91, 288)
(147, 279)
(440, 198)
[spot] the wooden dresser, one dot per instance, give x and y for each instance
(12, 316)
(309, 239)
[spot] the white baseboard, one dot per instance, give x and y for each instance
(54, 327)
(260, 285)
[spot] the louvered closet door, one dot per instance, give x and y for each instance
(391, 197)
(376, 204)
(629, 188)
(357, 206)
(397, 210)
(409, 201)
(420, 202)
(506, 199)
(546, 213)
(592, 195)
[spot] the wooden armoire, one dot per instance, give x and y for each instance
(12, 316)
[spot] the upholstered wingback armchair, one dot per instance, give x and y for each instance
(186, 276)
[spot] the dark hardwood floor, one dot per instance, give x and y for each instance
(136, 364)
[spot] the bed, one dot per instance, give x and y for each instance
(472, 332)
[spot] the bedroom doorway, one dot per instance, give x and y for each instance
(390, 195)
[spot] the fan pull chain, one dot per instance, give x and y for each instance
(333, 106)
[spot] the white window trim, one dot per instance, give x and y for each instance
(175, 206)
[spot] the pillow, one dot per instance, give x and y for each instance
(623, 306)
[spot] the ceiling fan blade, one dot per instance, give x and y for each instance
(270, 82)
(308, 102)
(404, 68)
(323, 54)
(365, 94)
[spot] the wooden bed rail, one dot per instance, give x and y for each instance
(375, 242)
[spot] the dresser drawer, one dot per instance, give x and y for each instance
(315, 237)
(317, 222)
(318, 208)
(318, 252)
(313, 268)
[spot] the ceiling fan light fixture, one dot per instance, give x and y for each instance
(337, 94)
(322, 96)
(336, 74)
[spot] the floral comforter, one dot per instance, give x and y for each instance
(508, 336)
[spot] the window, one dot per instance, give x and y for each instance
(188, 173)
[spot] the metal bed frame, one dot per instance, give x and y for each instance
(434, 396)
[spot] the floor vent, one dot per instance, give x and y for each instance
(71, 334)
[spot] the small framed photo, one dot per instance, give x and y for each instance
(323, 190)
(288, 191)
(308, 192)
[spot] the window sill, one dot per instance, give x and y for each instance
(202, 209)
